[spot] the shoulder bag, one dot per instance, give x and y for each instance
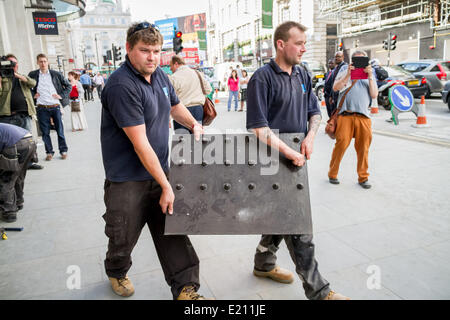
(209, 110)
(331, 126)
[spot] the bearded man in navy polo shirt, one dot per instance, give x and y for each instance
(137, 103)
(280, 97)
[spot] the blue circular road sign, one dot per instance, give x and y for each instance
(401, 98)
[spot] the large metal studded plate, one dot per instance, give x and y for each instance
(234, 184)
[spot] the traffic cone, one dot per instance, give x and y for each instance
(217, 96)
(374, 108)
(323, 104)
(421, 117)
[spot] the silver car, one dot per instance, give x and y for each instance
(436, 72)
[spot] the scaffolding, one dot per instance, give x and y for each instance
(361, 16)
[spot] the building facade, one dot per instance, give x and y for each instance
(421, 26)
(104, 24)
(17, 34)
(235, 31)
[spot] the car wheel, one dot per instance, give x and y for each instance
(428, 93)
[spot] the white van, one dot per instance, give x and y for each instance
(221, 73)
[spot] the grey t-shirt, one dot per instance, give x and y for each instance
(358, 99)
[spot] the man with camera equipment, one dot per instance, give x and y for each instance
(357, 87)
(16, 102)
(16, 152)
(51, 91)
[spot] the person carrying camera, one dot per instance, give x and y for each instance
(354, 119)
(16, 102)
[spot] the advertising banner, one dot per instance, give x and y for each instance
(193, 28)
(167, 28)
(45, 23)
(267, 12)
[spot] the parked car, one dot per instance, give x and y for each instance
(437, 72)
(317, 71)
(397, 75)
(446, 95)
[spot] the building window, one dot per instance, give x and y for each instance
(113, 21)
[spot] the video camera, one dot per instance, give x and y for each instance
(6, 68)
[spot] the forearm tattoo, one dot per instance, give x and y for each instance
(314, 123)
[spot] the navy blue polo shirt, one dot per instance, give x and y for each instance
(280, 101)
(129, 100)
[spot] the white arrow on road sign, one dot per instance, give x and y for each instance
(405, 101)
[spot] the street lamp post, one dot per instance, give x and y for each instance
(96, 49)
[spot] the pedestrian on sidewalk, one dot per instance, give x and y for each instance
(188, 84)
(16, 104)
(78, 118)
(50, 93)
(233, 89)
(99, 84)
(137, 101)
(330, 95)
(355, 97)
(86, 81)
(17, 149)
(275, 90)
(244, 82)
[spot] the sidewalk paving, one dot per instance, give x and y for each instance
(401, 226)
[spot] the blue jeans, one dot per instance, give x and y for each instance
(234, 94)
(44, 115)
(197, 113)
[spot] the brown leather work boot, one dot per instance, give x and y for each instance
(335, 296)
(277, 274)
(122, 287)
(49, 157)
(189, 293)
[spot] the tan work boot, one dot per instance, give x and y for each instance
(335, 296)
(277, 274)
(189, 293)
(122, 287)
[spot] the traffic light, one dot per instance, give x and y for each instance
(117, 53)
(385, 44)
(340, 46)
(108, 55)
(177, 41)
(393, 42)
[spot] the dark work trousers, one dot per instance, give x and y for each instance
(131, 205)
(99, 91)
(87, 92)
(301, 249)
(197, 113)
(44, 114)
(13, 181)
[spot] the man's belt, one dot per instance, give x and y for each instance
(45, 106)
(346, 113)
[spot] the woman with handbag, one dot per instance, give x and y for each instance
(233, 88)
(78, 118)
